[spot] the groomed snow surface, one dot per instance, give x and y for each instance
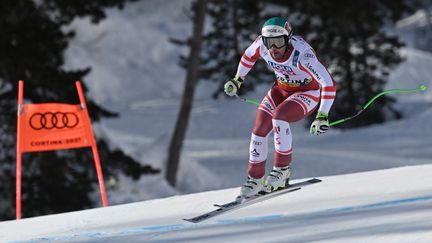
(393, 205)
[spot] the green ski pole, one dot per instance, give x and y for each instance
(420, 88)
(250, 101)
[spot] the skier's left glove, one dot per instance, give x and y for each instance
(232, 86)
(320, 124)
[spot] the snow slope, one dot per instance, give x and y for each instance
(393, 205)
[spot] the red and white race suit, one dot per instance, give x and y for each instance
(302, 82)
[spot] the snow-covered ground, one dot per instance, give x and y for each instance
(391, 205)
(135, 72)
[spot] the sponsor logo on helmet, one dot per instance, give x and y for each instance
(274, 31)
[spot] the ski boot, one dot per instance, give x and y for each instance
(278, 178)
(251, 187)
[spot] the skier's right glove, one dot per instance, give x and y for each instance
(231, 87)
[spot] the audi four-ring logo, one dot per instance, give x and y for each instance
(50, 120)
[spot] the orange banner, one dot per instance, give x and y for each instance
(54, 126)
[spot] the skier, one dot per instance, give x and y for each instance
(302, 83)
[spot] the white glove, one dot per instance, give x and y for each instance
(232, 86)
(320, 124)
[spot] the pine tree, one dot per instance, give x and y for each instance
(235, 24)
(32, 45)
(351, 42)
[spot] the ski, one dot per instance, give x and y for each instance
(243, 202)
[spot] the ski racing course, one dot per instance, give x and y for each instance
(393, 205)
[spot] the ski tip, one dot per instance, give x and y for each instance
(190, 220)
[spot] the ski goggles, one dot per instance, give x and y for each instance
(278, 42)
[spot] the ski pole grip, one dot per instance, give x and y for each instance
(423, 87)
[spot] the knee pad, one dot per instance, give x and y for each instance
(282, 136)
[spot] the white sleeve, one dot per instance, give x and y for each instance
(250, 56)
(309, 63)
